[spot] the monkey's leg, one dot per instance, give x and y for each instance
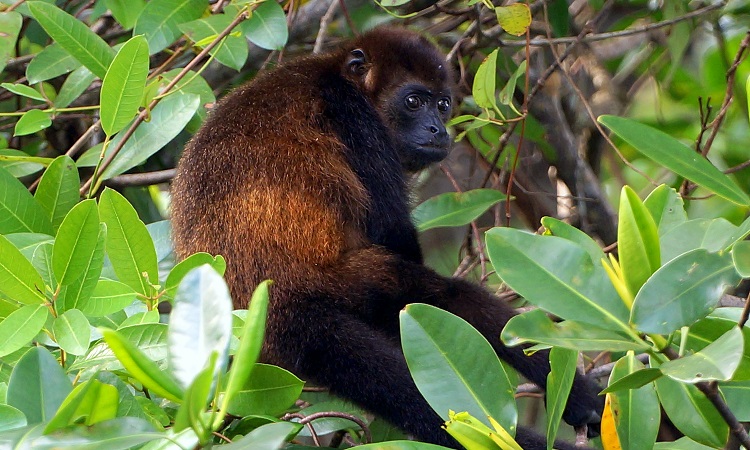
(395, 282)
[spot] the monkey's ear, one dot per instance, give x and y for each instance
(357, 63)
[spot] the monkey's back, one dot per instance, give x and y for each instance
(266, 185)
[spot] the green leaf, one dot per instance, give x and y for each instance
(515, 19)
(129, 245)
(75, 242)
(10, 417)
(741, 258)
(141, 367)
(559, 381)
(200, 325)
(400, 445)
(232, 53)
(181, 269)
(123, 85)
(633, 380)
(269, 437)
(89, 403)
(561, 229)
(536, 327)
(109, 296)
(709, 234)
(666, 208)
(191, 413)
(74, 36)
(682, 443)
(23, 90)
(72, 332)
(168, 118)
(160, 19)
(250, 343)
(708, 330)
(454, 209)
(32, 121)
(41, 259)
(637, 241)
(19, 280)
(449, 377)
(717, 361)
(18, 163)
(508, 91)
(691, 412)
(51, 62)
(76, 295)
(637, 422)
(57, 192)
(269, 391)
(483, 89)
(737, 396)
(126, 12)
(675, 156)
(10, 23)
(557, 275)
(38, 385)
(20, 327)
(267, 27)
(682, 291)
(120, 433)
(75, 85)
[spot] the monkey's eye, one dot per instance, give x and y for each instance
(444, 104)
(413, 102)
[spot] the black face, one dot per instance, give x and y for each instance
(418, 117)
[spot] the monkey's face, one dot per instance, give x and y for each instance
(418, 114)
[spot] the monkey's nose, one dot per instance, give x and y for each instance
(434, 129)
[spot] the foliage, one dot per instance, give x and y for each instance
(97, 97)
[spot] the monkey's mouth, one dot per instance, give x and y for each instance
(433, 152)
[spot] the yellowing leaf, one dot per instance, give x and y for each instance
(610, 440)
(515, 19)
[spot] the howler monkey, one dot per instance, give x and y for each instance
(299, 176)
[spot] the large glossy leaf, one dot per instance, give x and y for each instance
(737, 396)
(558, 228)
(559, 381)
(675, 156)
(31, 122)
(181, 269)
(250, 343)
(741, 258)
(267, 437)
(10, 23)
(637, 422)
(400, 445)
(200, 324)
(666, 207)
(454, 209)
(76, 294)
(19, 280)
(18, 211)
(57, 192)
(123, 85)
(706, 331)
(74, 36)
(109, 296)
(270, 390)
(536, 327)
(141, 367)
(89, 403)
(710, 234)
(232, 52)
(125, 11)
(19, 164)
(637, 241)
(75, 85)
(129, 244)
(168, 118)
(20, 327)
(72, 332)
(120, 433)
(75, 242)
(682, 291)
(51, 62)
(691, 412)
(23, 90)
(160, 19)
(449, 377)
(557, 275)
(11, 418)
(717, 361)
(267, 27)
(38, 385)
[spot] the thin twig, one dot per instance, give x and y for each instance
(141, 179)
(325, 21)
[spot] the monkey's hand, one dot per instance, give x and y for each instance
(585, 406)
